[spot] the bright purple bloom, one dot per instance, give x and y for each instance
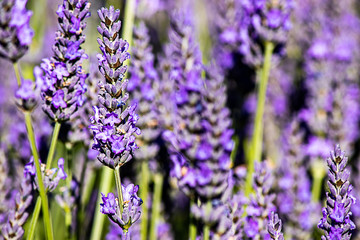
(274, 227)
(15, 32)
(27, 95)
(63, 78)
(18, 215)
(58, 99)
(113, 125)
(73, 50)
(336, 221)
(109, 204)
(131, 207)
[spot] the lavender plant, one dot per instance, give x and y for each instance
(336, 221)
(17, 217)
(274, 227)
(63, 79)
(15, 31)
(113, 125)
(261, 204)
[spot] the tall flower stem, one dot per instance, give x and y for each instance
(36, 212)
(155, 210)
(129, 23)
(118, 187)
(192, 226)
(206, 231)
(42, 200)
(256, 149)
(68, 221)
(106, 183)
(143, 195)
(318, 173)
(17, 73)
(43, 196)
(53, 145)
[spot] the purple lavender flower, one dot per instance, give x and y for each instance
(294, 201)
(243, 26)
(336, 215)
(261, 204)
(27, 95)
(51, 177)
(143, 88)
(274, 227)
(187, 129)
(5, 189)
(113, 125)
(63, 78)
(18, 216)
(131, 207)
(15, 32)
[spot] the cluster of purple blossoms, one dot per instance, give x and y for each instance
(62, 78)
(27, 95)
(18, 215)
(261, 204)
(274, 227)
(50, 177)
(130, 211)
(296, 207)
(113, 124)
(336, 220)
(143, 88)
(243, 26)
(15, 32)
(189, 152)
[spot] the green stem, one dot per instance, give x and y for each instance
(143, 195)
(34, 219)
(318, 172)
(106, 183)
(53, 145)
(258, 126)
(17, 73)
(68, 148)
(206, 230)
(192, 226)
(129, 23)
(68, 221)
(155, 210)
(44, 199)
(118, 187)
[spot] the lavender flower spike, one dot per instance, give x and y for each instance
(15, 32)
(274, 227)
(336, 215)
(131, 211)
(113, 125)
(62, 79)
(18, 216)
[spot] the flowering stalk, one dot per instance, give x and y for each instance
(26, 95)
(256, 149)
(15, 32)
(336, 220)
(18, 216)
(274, 227)
(113, 125)
(43, 197)
(107, 182)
